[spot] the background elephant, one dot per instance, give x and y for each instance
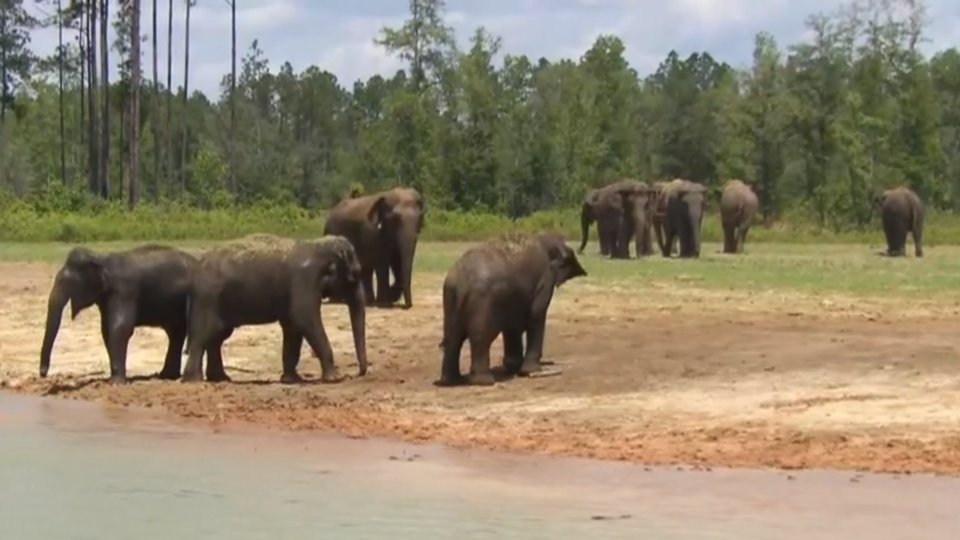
(658, 213)
(634, 220)
(262, 279)
(738, 208)
(144, 286)
(684, 217)
(605, 205)
(901, 212)
(384, 228)
(503, 286)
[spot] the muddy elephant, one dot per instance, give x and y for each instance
(144, 286)
(901, 212)
(615, 226)
(738, 209)
(384, 228)
(504, 285)
(263, 279)
(685, 203)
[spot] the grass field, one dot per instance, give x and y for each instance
(790, 356)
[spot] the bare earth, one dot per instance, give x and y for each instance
(679, 376)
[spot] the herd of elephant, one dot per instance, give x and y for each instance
(500, 287)
(628, 209)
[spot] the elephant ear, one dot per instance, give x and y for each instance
(378, 212)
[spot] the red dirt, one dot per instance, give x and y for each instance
(692, 382)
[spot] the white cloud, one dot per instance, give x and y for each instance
(337, 35)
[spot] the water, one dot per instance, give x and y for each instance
(77, 471)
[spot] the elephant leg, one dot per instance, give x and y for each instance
(307, 322)
(658, 229)
(382, 270)
(917, 241)
(669, 240)
(216, 372)
(290, 354)
(121, 317)
(536, 329)
(205, 326)
(512, 351)
(480, 360)
(396, 290)
(729, 238)
(105, 336)
(450, 364)
(742, 238)
(176, 336)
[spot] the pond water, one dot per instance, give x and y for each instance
(76, 470)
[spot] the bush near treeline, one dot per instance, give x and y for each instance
(495, 141)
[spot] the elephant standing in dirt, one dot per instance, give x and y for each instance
(384, 228)
(684, 217)
(262, 279)
(615, 225)
(738, 208)
(144, 286)
(658, 211)
(901, 211)
(503, 286)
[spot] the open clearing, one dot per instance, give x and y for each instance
(789, 356)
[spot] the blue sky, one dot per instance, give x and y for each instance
(337, 35)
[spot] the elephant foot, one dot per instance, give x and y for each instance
(118, 379)
(291, 377)
(450, 380)
(484, 378)
(218, 377)
(191, 377)
(530, 367)
(168, 374)
(512, 365)
(331, 376)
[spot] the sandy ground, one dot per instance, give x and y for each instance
(673, 376)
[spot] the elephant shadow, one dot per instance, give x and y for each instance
(501, 374)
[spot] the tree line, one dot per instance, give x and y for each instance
(820, 125)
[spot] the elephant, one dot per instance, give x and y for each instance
(383, 228)
(658, 213)
(738, 208)
(605, 206)
(901, 211)
(684, 217)
(261, 279)
(502, 286)
(635, 204)
(144, 286)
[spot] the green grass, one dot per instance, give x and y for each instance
(852, 269)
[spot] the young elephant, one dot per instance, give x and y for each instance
(738, 208)
(901, 211)
(144, 286)
(502, 286)
(262, 279)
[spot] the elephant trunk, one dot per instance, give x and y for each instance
(696, 217)
(585, 220)
(358, 324)
(59, 295)
(408, 247)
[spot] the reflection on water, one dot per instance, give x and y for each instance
(81, 471)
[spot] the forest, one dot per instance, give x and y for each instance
(492, 139)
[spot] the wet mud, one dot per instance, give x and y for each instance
(685, 378)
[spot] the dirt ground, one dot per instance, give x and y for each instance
(677, 376)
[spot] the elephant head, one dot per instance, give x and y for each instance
(563, 261)
(399, 216)
(82, 281)
(340, 279)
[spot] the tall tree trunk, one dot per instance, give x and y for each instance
(105, 92)
(233, 97)
(186, 93)
(134, 116)
(93, 179)
(63, 127)
(169, 122)
(81, 126)
(155, 124)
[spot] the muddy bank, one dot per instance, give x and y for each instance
(686, 381)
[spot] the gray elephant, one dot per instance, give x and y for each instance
(144, 286)
(504, 285)
(384, 228)
(658, 212)
(262, 279)
(738, 209)
(685, 204)
(901, 212)
(605, 206)
(635, 223)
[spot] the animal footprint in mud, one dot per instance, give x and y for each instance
(410, 458)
